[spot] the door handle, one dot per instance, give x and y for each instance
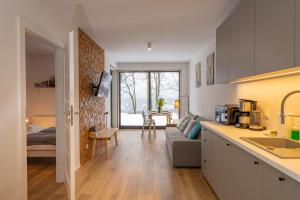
(281, 179)
(72, 116)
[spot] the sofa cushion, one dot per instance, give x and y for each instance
(173, 133)
(184, 124)
(180, 149)
(189, 127)
(181, 121)
(195, 131)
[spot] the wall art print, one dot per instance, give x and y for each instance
(210, 65)
(198, 75)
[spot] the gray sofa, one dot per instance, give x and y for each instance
(183, 151)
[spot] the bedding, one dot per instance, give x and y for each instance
(41, 147)
(43, 137)
(34, 128)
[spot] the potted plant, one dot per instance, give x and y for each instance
(160, 103)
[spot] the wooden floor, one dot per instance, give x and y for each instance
(41, 180)
(138, 169)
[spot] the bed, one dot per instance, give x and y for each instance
(41, 137)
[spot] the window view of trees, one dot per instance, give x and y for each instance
(128, 87)
(164, 85)
(134, 90)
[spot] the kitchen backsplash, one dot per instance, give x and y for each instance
(269, 94)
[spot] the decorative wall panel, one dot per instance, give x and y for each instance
(91, 108)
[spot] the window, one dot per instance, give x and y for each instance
(139, 92)
(164, 85)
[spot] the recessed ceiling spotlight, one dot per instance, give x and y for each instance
(149, 46)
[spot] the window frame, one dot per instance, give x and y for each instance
(149, 93)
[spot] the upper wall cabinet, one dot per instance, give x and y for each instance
(297, 34)
(222, 53)
(274, 39)
(241, 37)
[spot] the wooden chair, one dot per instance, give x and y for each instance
(148, 122)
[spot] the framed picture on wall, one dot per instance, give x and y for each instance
(210, 69)
(198, 75)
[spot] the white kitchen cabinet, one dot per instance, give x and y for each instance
(260, 36)
(274, 35)
(277, 186)
(231, 167)
(297, 34)
(246, 175)
(235, 44)
(222, 52)
(206, 157)
(291, 189)
(235, 174)
(241, 37)
(221, 171)
(272, 185)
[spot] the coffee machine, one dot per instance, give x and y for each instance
(226, 114)
(245, 108)
(256, 121)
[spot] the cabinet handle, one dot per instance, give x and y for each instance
(281, 179)
(228, 144)
(256, 162)
(205, 161)
(204, 140)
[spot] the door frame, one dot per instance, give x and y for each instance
(24, 25)
(148, 92)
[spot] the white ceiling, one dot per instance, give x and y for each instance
(177, 28)
(38, 46)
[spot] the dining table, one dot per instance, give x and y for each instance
(168, 115)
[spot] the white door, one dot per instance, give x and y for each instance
(69, 119)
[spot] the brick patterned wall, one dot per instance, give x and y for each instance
(91, 108)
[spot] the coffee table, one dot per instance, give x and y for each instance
(104, 135)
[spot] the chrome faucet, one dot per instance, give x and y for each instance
(282, 115)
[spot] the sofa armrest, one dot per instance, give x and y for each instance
(186, 153)
(171, 125)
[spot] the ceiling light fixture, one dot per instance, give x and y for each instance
(149, 46)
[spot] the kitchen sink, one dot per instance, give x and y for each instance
(281, 147)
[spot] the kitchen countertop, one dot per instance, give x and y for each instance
(290, 167)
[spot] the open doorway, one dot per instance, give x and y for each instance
(44, 114)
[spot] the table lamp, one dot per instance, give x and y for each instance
(176, 104)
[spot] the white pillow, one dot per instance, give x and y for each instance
(189, 127)
(34, 128)
(181, 121)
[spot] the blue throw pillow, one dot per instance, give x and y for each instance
(195, 131)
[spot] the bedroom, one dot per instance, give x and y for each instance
(41, 112)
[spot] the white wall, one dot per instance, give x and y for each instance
(49, 20)
(115, 99)
(204, 99)
(108, 63)
(40, 101)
